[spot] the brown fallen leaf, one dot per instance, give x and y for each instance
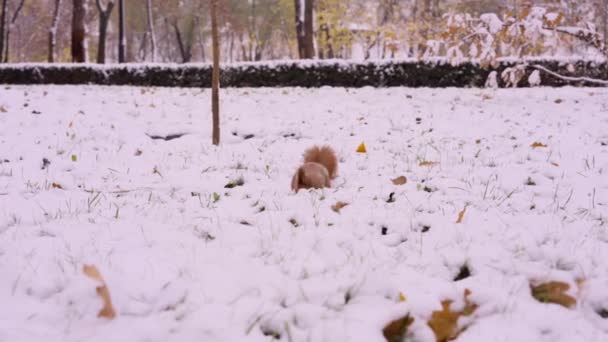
(553, 292)
(444, 323)
(108, 310)
(3, 109)
(555, 164)
(339, 205)
(399, 180)
(427, 163)
(461, 214)
(396, 330)
(558, 101)
(56, 186)
(537, 144)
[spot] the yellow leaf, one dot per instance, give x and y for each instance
(553, 292)
(108, 310)
(537, 144)
(339, 205)
(361, 148)
(397, 329)
(399, 180)
(428, 163)
(461, 214)
(402, 297)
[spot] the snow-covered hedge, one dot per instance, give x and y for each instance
(410, 73)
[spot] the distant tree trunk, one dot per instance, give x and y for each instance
(604, 11)
(326, 50)
(435, 11)
(53, 32)
(184, 48)
(122, 38)
(215, 79)
(300, 29)
(150, 17)
(309, 40)
(8, 31)
(79, 31)
(3, 28)
(104, 18)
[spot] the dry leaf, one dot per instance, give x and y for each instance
(555, 164)
(396, 330)
(427, 163)
(558, 101)
(444, 323)
(537, 144)
(399, 180)
(461, 214)
(3, 109)
(56, 186)
(402, 297)
(108, 310)
(339, 205)
(553, 292)
(361, 148)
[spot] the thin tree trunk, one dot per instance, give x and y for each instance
(435, 10)
(79, 32)
(604, 11)
(215, 79)
(9, 28)
(3, 28)
(299, 29)
(150, 17)
(309, 41)
(104, 18)
(53, 32)
(122, 38)
(183, 49)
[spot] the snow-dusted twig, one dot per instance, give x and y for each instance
(569, 78)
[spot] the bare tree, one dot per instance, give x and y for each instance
(53, 32)
(79, 31)
(2, 27)
(104, 18)
(299, 28)
(9, 28)
(150, 19)
(309, 39)
(604, 13)
(215, 79)
(185, 39)
(122, 38)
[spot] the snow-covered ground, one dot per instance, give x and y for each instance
(186, 259)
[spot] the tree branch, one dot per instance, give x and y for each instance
(568, 78)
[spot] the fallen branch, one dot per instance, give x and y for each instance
(569, 78)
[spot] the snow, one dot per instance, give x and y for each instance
(182, 264)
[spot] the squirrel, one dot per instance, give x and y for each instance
(319, 168)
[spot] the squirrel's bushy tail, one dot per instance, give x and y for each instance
(320, 166)
(323, 155)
